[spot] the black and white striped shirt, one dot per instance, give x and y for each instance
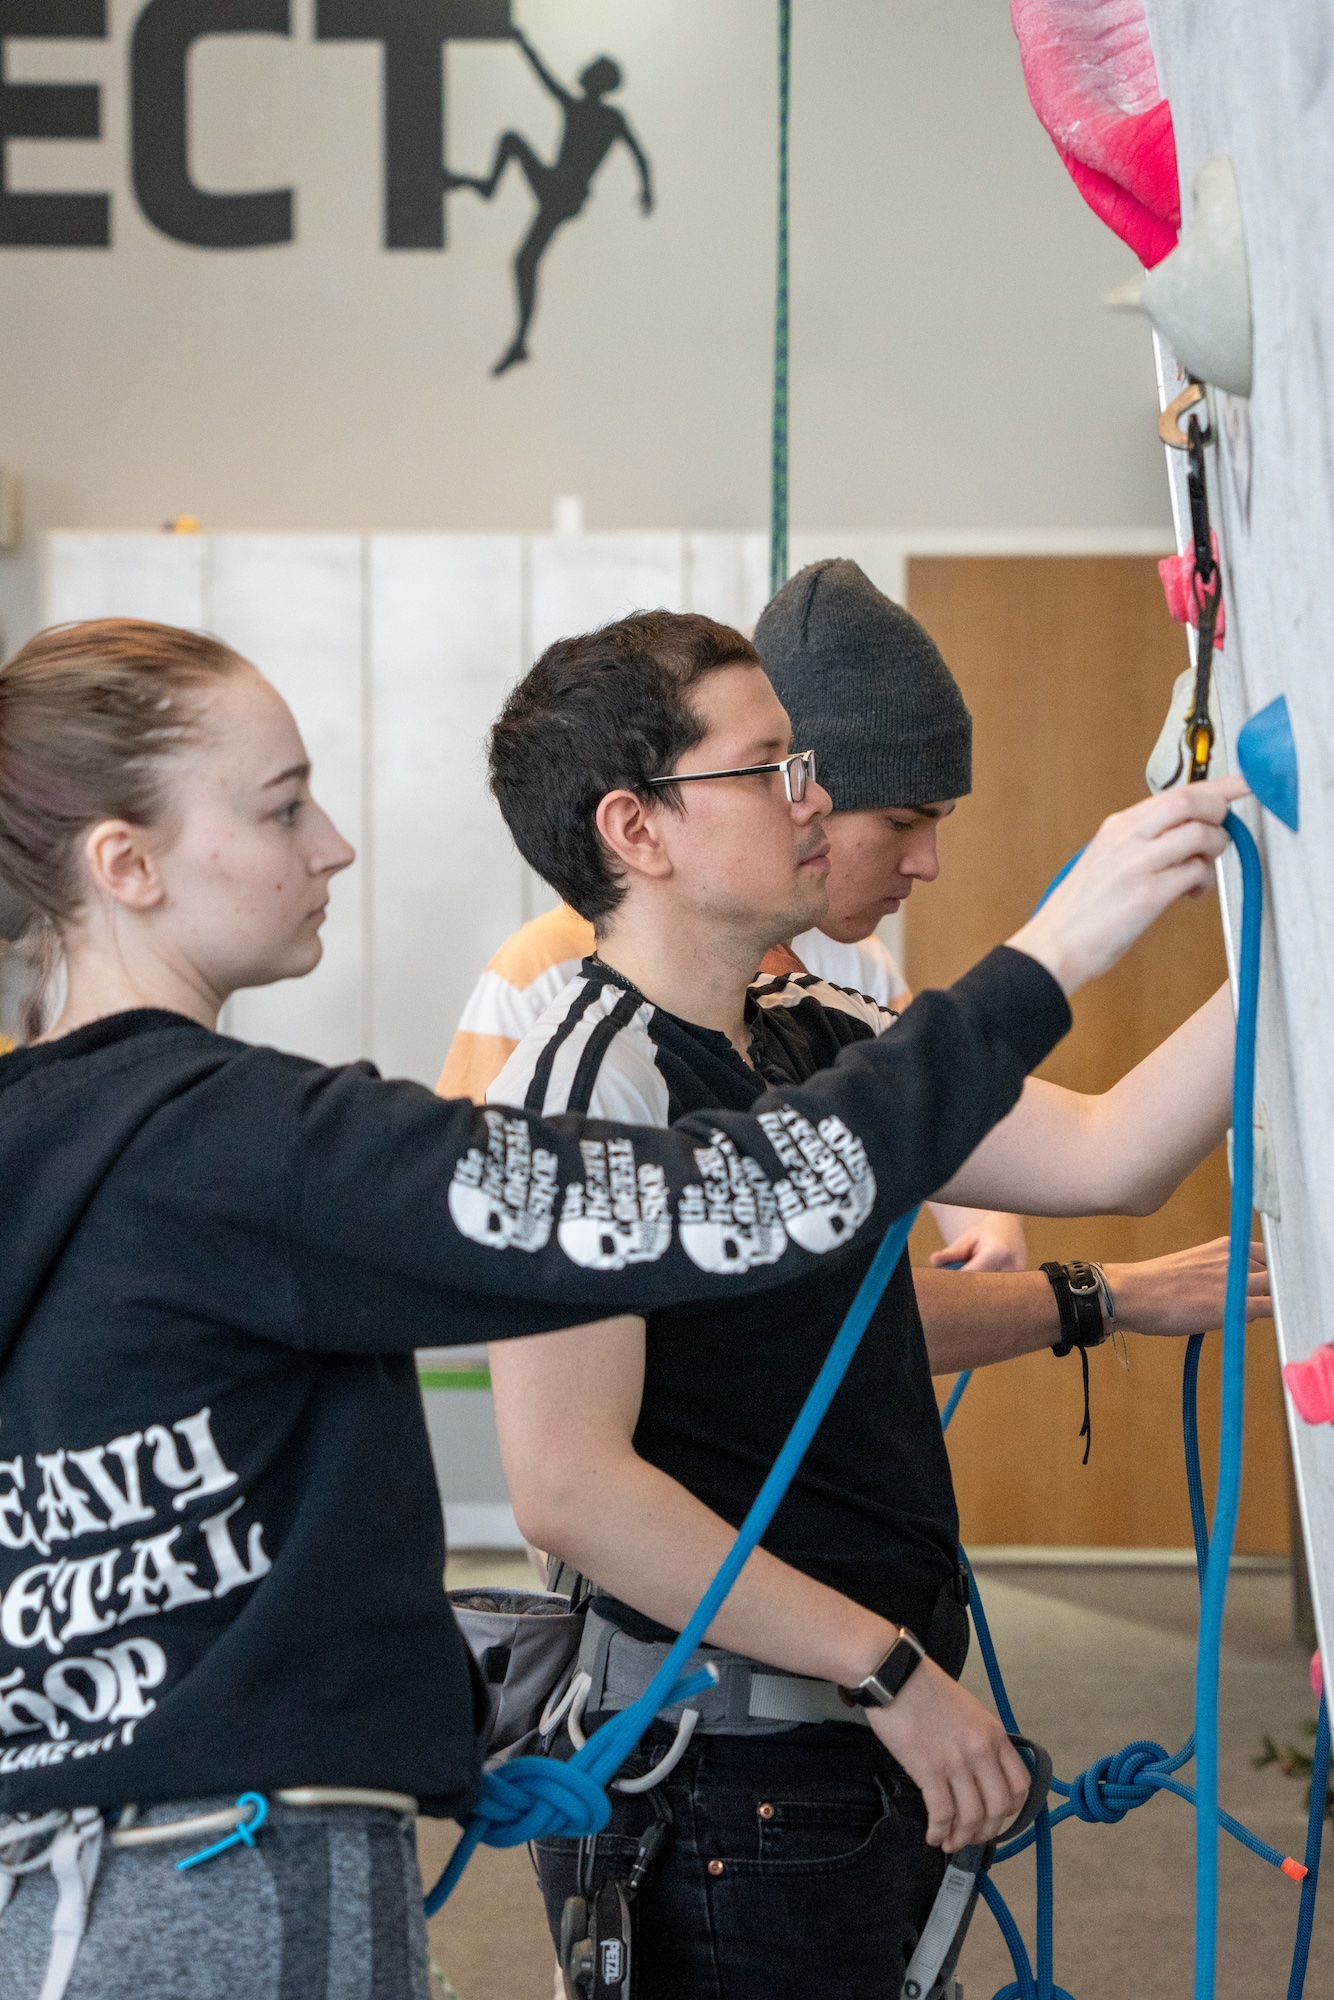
(602, 1049)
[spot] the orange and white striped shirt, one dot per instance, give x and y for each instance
(521, 981)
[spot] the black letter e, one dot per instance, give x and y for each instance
(51, 111)
(159, 124)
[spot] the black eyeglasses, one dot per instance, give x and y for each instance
(798, 771)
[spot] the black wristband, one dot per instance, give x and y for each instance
(1079, 1302)
(1083, 1324)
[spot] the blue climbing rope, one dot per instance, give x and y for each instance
(953, 1401)
(1315, 1827)
(1116, 1784)
(778, 443)
(1228, 1494)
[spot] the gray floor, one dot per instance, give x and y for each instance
(1094, 1657)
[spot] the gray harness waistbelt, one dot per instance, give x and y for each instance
(749, 1699)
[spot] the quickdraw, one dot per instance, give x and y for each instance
(1206, 576)
(1207, 589)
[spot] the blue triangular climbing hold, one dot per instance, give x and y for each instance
(1268, 759)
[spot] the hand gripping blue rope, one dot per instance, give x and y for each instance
(1114, 1785)
(533, 1797)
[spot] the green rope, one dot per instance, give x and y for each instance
(778, 459)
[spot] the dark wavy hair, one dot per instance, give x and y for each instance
(600, 713)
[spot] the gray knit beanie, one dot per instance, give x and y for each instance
(867, 690)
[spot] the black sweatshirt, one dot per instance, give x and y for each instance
(220, 1541)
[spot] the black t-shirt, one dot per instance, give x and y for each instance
(871, 1510)
(220, 1537)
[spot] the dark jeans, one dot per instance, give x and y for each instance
(796, 1869)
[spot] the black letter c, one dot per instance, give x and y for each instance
(159, 122)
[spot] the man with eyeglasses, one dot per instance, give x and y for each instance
(797, 1828)
(867, 688)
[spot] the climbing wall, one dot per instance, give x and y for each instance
(1257, 83)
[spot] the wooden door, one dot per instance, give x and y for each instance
(1067, 664)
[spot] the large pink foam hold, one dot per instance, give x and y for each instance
(1310, 1383)
(1178, 575)
(1093, 82)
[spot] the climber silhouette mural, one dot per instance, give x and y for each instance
(590, 129)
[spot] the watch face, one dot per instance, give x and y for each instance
(880, 1687)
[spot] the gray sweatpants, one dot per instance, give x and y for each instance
(327, 1905)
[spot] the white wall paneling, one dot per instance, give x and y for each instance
(727, 577)
(578, 581)
(446, 646)
(126, 576)
(294, 604)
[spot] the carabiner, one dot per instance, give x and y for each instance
(1169, 421)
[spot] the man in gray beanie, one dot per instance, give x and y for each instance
(867, 689)
(865, 685)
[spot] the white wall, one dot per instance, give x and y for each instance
(952, 364)
(1259, 86)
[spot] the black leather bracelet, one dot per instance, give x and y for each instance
(1079, 1302)
(1083, 1324)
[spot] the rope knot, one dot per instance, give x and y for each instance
(1114, 1785)
(536, 1798)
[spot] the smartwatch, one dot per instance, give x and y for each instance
(885, 1681)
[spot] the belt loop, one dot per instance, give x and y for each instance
(737, 1677)
(604, 1632)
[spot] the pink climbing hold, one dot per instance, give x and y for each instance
(1092, 80)
(1317, 1675)
(1178, 575)
(1310, 1383)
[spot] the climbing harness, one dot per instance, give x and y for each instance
(778, 447)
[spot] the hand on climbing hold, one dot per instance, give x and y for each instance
(970, 1775)
(1183, 1293)
(1137, 863)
